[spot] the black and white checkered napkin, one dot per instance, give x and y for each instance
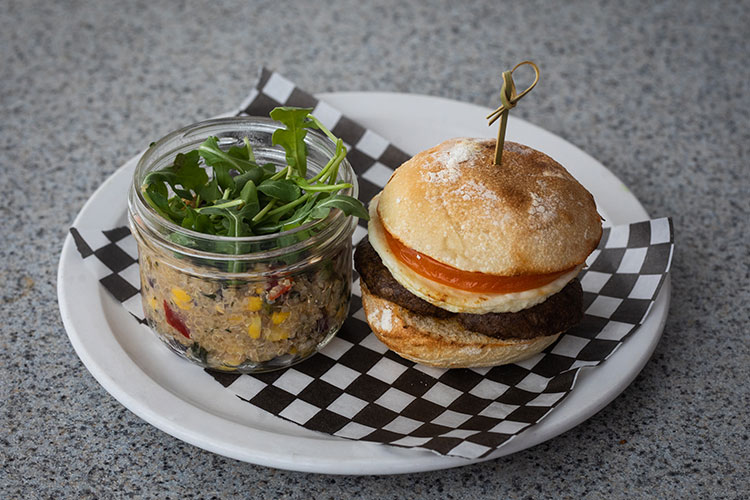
(356, 388)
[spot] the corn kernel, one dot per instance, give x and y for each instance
(152, 302)
(182, 299)
(254, 304)
(180, 294)
(276, 334)
(259, 289)
(279, 317)
(253, 329)
(235, 318)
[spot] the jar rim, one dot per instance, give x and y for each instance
(150, 217)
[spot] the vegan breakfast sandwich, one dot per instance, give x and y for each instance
(472, 262)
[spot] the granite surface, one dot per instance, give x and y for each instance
(658, 93)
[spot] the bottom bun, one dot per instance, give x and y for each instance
(443, 343)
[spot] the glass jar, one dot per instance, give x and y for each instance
(248, 304)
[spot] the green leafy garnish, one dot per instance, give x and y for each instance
(292, 138)
(225, 192)
(284, 190)
(346, 203)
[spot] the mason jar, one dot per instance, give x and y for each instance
(245, 304)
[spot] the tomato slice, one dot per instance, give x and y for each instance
(472, 281)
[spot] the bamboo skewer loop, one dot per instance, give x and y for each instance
(508, 99)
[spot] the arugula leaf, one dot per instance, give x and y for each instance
(254, 174)
(236, 158)
(239, 153)
(347, 204)
(292, 139)
(232, 221)
(209, 192)
(284, 190)
(298, 217)
(158, 188)
(178, 208)
(195, 221)
(320, 212)
(156, 195)
(169, 177)
(222, 162)
(188, 172)
(269, 169)
(184, 171)
(249, 195)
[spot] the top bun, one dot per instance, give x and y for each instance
(527, 216)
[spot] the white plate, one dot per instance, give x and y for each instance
(182, 400)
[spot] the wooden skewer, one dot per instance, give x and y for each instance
(508, 99)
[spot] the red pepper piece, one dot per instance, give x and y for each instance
(175, 322)
(279, 289)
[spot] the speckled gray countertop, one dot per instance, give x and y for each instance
(658, 93)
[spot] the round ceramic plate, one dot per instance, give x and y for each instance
(183, 401)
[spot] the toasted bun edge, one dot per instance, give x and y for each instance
(442, 343)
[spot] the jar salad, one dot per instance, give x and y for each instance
(247, 266)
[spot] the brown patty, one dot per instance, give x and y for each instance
(381, 282)
(556, 314)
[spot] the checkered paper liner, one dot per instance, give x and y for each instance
(358, 389)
